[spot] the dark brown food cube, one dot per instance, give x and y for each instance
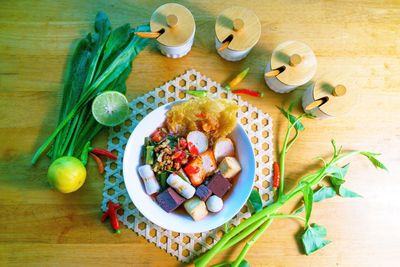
(203, 192)
(219, 185)
(169, 200)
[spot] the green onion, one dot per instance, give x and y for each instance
(149, 159)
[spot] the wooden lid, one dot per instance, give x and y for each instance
(176, 21)
(240, 22)
(299, 60)
(341, 99)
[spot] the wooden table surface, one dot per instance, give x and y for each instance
(356, 41)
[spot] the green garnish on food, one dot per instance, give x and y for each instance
(149, 159)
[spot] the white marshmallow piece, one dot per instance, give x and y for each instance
(229, 167)
(214, 203)
(149, 179)
(196, 208)
(181, 186)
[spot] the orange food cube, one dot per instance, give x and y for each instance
(198, 169)
(195, 171)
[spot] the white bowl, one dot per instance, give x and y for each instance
(175, 221)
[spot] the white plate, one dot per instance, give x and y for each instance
(176, 221)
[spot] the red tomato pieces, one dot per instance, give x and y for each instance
(157, 136)
(193, 149)
(179, 156)
(182, 143)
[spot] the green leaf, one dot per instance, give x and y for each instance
(244, 263)
(308, 201)
(374, 160)
(118, 66)
(313, 238)
(319, 195)
(292, 119)
(338, 172)
(324, 193)
(254, 202)
(102, 27)
(344, 192)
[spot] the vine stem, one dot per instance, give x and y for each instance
(245, 233)
(284, 150)
(251, 242)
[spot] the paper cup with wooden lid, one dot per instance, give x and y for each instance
(292, 64)
(177, 27)
(237, 31)
(328, 99)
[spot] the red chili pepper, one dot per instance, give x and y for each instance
(100, 164)
(248, 92)
(182, 143)
(277, 175)
(103, 152)
(191, 169)
(112, 213)
(193, 149)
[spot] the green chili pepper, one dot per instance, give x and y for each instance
(85, 153)
(198, 93)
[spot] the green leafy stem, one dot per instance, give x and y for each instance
(314, 235)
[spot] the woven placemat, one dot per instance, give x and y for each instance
(258, 126)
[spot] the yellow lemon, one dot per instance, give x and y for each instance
(66, 174)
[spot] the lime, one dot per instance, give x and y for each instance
(110, 108)
(66, 174)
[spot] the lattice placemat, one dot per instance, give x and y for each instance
(258, 126)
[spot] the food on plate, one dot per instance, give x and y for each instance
(180, 166)
(223, 147)
(215, 117)
(203, 192)
(229, 167)
(208, 161)
(196, 208)
(214, 203)
(199, 140)
(182, 187)
(169, 200)
(219, 185)
(149, 179)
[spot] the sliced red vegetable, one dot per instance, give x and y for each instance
(248, 92)
(191, 169)
(112, 213)
(182, 143)
(277, 175)
(99, 162)
(193, 149)
(178, 156)
(103, 152)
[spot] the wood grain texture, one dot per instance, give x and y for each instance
(357, 40)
